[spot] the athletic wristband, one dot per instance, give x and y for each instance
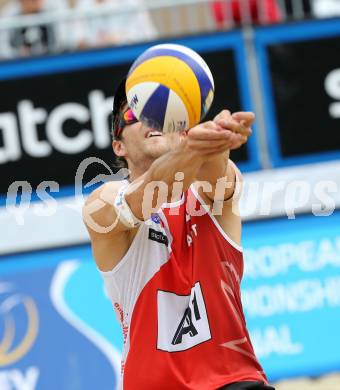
(123, 210)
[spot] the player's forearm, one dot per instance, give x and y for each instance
(162, 181)
(216, 173)
(214, 168)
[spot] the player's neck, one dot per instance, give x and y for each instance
(138, 170)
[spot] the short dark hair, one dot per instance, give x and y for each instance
(118, 163)
(115, 121)
(120, 101)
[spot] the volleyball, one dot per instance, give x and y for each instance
(170, 88)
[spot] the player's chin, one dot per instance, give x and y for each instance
(157, 148)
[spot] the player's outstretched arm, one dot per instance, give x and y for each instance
(219, 171)
(183, 163)
(156, 186)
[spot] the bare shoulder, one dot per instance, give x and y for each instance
(98, 211)
(109, 237)
(105, 190)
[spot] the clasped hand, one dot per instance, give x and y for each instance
(226, 132)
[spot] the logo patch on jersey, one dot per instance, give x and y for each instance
(158, 236)
(182, 320)
(155, 218)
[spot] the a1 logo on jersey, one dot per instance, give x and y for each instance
(182, 320)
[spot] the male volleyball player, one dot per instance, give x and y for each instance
(173, 271)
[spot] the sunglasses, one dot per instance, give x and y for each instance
(126, 118)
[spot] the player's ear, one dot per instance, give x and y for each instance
(119, 148)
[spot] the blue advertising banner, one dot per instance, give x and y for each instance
(300, 73)
(291, 294)
(58, 330)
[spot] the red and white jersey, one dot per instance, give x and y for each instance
(177, 296)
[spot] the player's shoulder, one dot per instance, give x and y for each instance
(236, 169)
(98, 208)
(106, 191)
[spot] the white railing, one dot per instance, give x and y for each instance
(72, 14)
(169, 16)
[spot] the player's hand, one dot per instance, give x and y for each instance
(209, 138)
(238, 123)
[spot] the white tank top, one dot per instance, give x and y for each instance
(149, 250)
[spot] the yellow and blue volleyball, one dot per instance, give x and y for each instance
(170, 88)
